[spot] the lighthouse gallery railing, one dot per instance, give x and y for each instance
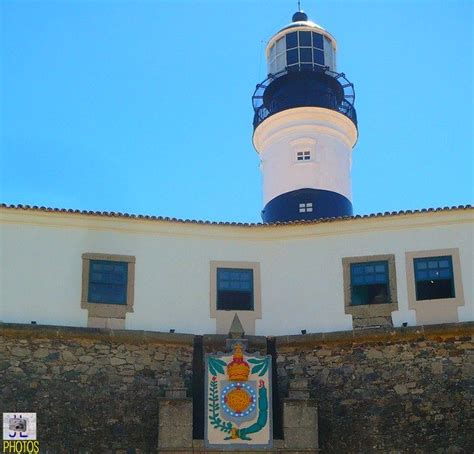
(320, 97)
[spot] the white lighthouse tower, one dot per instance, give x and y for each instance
(305, 126)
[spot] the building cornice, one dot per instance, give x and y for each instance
(131, 223)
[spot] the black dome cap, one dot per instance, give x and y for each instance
(299, 16)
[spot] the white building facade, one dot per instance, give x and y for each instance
(410, 268)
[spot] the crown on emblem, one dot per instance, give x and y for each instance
(238, 369)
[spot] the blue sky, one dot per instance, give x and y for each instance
(145, 107)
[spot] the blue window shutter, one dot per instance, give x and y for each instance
(108, 282)
(434, 278)
(369, 283)
(235, 289)
(433, 268)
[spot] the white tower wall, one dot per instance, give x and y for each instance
(328, 136)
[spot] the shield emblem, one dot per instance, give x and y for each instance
(238, 403)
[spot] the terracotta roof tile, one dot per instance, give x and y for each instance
(240, 224)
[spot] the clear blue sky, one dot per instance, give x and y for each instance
(145, 107)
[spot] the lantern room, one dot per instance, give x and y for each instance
(302, 45)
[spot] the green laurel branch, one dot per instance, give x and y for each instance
(214, 418)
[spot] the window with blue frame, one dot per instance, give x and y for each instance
(434, 278)
(235, 289)
(107, 282)
(369, 283)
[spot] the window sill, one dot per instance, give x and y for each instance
(439, 301)
(299, 163)
(372, 310)
(106, 310)
(235, 310)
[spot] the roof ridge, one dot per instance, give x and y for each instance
(230, 223)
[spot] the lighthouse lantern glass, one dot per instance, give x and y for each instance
(318, 40)
(299, 50)
(277, 56)
(305, 39)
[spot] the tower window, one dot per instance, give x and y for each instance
(306, 55)
(304, 49)
(318, 56)
(292, 40)
(434, 278)
(369, 283)
(303, 155)
(234, 289)
(306, 207)
(305, 39)
(296, 50)
(318, 40)
(292, 57)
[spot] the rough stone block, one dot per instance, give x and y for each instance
(86, 359)
(299, 383)
(299, 394)
(18, 351)
(117, 361)
(300, 423)
(300, 413)
(41, 353)
(374, 354)
(68, 356)
(298, 389)
(175, 427)
(301, 438)
(437, 368)
(400, 389)
(176, 393)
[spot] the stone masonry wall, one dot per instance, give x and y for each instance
(93, 390)
(389, 391)
(403, 390)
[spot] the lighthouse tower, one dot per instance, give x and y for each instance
(305, 126)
